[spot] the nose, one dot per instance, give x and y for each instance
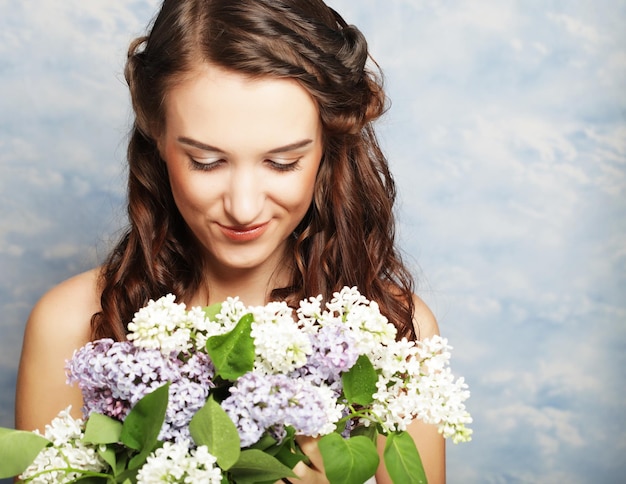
(243, 200)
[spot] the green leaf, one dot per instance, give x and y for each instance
(233, 353)
(266, 443)
(211, 426)
(370, 432)
(101, 429)
(403, 460)
(18, 449)
(287, 452)
(121, 463)
(359, 382)
(212, 310)
(91, 480)
(286, 456)
(142, 425)
(128, 477)
(108, 455)
(348, 461)
(255, 466)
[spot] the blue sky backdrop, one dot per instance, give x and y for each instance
(507, 135)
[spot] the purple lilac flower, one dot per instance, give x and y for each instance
(334, 352)
(187, 395)
(114, 376)
(260, 402)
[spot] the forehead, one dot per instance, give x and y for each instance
(213, 104)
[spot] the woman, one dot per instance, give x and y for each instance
(254, 171)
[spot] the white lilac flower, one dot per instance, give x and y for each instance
(310, 313)
(161, 325)
(343, 301)
(68, 455)
(280, 344)
(443, 404)
(364, 330)
(64, 428)
(231, 312)
(202, 328)
(415, 381)
(260, 402)
(397, 357)
(176, 463)
(169, 327)
(372, 331)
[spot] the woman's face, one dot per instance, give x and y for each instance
(242, 157)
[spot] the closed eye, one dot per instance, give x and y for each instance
(209, 164)
(283, 166)
(205, 164)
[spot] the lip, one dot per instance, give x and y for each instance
(244, 234)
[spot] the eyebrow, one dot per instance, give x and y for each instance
(281, 149)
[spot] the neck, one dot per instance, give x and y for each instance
(253, 286)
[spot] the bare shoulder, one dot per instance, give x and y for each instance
(70, 301)
(423, 319)
(59, 324)
(61, 319)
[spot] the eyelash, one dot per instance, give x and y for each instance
(196, 165)
(280, 167)
(284, 167)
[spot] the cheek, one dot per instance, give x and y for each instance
(189, 194)
(297, 194)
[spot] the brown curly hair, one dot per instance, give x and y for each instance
(347, 237)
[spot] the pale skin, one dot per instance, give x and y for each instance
(257, 144)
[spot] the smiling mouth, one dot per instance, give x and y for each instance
(244, 234)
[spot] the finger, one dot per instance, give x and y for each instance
(309, 446)
(308, 475)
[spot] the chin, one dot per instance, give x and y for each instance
(240, 263)
(248, 258)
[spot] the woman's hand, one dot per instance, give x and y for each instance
(314, 472)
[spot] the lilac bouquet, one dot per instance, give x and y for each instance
(219, 394)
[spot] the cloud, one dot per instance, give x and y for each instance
(554, 427)
(513, 188)
(577, 28)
